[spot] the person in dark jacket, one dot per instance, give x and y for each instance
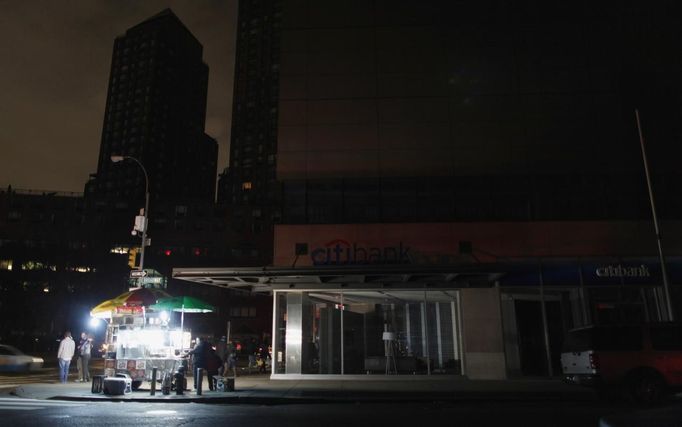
(79, 360)
(199, 357)
(213, 363)
(221, 348)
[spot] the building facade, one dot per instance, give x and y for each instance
(155, 112)
(248, 185)
(462, 183)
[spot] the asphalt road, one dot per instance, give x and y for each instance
(44, 375)
(49, 374)
(22, 412)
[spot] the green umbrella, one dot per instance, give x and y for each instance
(183, 304)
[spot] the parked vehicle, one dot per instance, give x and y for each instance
(644, 360)
(13, 360)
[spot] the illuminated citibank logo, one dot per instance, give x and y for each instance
(342, 252)
(622, 271)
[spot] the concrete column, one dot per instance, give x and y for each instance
(482, 335)
(294, 335)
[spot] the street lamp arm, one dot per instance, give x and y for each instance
(117, 159)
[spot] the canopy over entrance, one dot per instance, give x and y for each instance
(266, 279)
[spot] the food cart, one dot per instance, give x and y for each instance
(138, 342)
(139, 339)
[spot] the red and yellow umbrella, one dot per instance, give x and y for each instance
(130, 302)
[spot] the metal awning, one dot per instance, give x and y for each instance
(267, 279)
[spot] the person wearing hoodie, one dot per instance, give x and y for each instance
(67, 347)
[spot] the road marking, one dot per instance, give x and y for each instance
(19, 404)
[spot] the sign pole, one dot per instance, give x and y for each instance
(666, 288)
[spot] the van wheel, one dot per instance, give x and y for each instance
(647, 387)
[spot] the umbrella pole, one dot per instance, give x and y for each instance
(182, 328)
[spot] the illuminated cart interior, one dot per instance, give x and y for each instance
(138, 342)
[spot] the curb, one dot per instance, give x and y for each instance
(359, 398)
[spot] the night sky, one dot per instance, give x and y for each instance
(54, 69)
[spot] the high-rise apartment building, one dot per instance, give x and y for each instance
(249, 183)
(155, 112)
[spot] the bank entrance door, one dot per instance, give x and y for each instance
(531, 340)
(525, 346)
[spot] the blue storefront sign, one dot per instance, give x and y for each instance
(595, 272)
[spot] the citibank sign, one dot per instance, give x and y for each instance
(623, 271)
(343, 252)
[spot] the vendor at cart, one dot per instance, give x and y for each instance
(199, 357)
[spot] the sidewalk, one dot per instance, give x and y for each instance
(263, 391)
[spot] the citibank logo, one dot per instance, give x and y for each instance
(342, 252)
(622, 271)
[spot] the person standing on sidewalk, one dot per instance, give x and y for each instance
(213, 362)
(221, 349)
(85, 353)
(251, 350)
(199, 356)
(229, 368)
(67, 347)
(79, 361)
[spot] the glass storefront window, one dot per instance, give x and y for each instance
(367, 332)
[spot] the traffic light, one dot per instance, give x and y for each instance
(132, 257)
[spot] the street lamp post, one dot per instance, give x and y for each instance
(117, 159)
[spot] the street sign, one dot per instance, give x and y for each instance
(134, 274)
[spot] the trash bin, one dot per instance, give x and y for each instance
(179, 383)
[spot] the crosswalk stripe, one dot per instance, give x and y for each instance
(21, 408)
(19, 404)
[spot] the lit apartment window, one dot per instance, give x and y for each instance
(119, 250)
(246, 185)
(6, 264)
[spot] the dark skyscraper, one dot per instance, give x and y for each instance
(249, 184)
(155, 112)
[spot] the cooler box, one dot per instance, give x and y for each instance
(223, 383)
(118, 385)
(114, 386)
